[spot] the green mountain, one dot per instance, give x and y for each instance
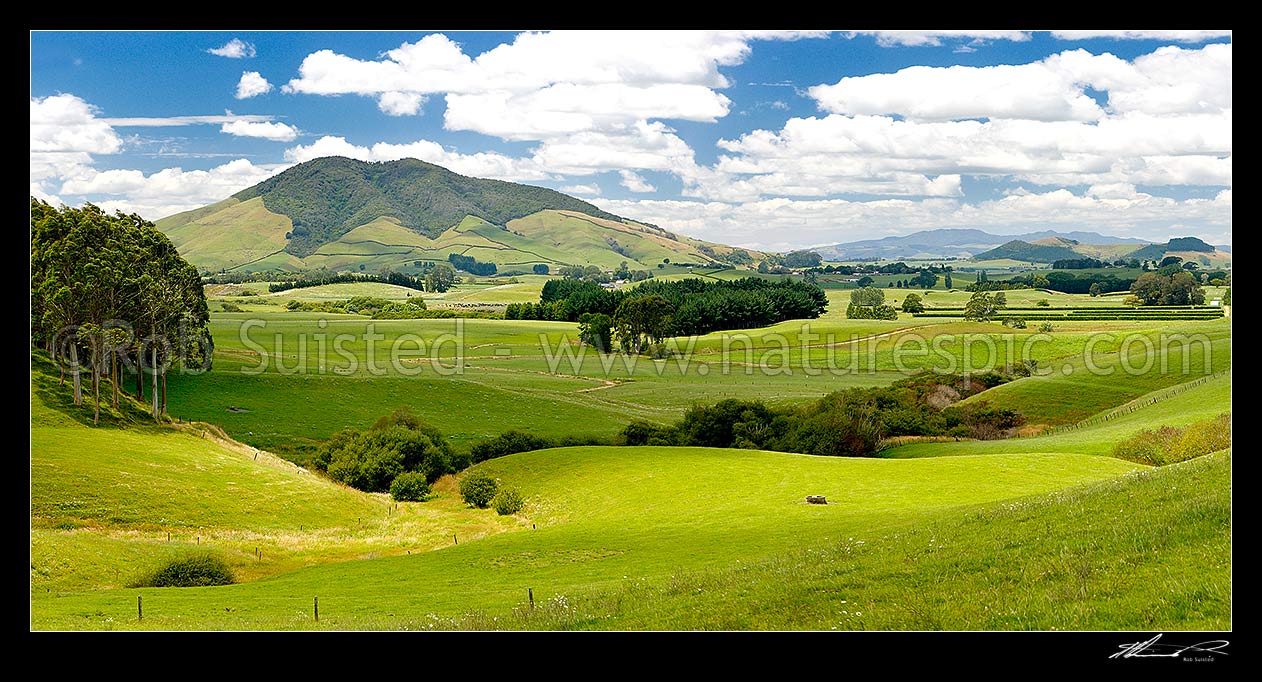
(1178, 245)
(1025, 251)
(344, 214)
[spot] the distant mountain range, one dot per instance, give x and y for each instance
(1046, 246)
(344, 214)
(958, 243)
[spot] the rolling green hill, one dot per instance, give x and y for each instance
(1031, 533)
(1025, 251)
(1188, 248)
(108, 502)
(328, 197)
(343, 214)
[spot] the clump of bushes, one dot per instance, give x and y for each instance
(1014, 322)
(507, 502)
(512, 442)
(657, 351)
(1170, 444)
(508, 443)
(199, 570)
(230, 307)
(850, 422)
(371, 460)
(868, 303)
(912, 303)
(409, 486)
(1047, 328)
(478, 490)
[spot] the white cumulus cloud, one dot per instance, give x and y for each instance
(167, 191)
(593, 101)
(1185, 36)
(279, 132)
(481, 164)
(934, 38)
(234, 49)
(586, 190)
(401, 103)
(252, 84)
(882, 155)
(65, 123)
(1169, 80)
(547, 84)
(635, 182)
(65, 133)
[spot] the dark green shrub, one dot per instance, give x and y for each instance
(370, 460)
(508, 443)
(658, 351)
(571, 441)
(640, 432)
(713, 426)
(913, 304)
(507, 502)
(876, 312)
(478, 490)
(191, 571)
(992, 378)
(596, 330)
(835, 427)
(230, 307)
(409, 486)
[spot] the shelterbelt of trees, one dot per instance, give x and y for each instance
(111, 295)
(681, 307)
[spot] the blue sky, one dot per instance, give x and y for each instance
(767, 139)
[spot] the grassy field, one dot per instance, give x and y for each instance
(649, 538)
(602, 518)
(1008, 534)
(1073, 390)
(1207, 400)
(1061, 561)
(530, 375)
(107, 503)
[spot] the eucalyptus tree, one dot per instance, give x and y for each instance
(114, 286)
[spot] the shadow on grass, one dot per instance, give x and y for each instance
(47, 386)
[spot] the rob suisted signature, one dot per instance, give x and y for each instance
(1153, 648)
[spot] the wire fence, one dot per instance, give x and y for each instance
(1139, 403)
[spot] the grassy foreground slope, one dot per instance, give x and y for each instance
(1149, 550)
(110, 502)
(605, 517)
